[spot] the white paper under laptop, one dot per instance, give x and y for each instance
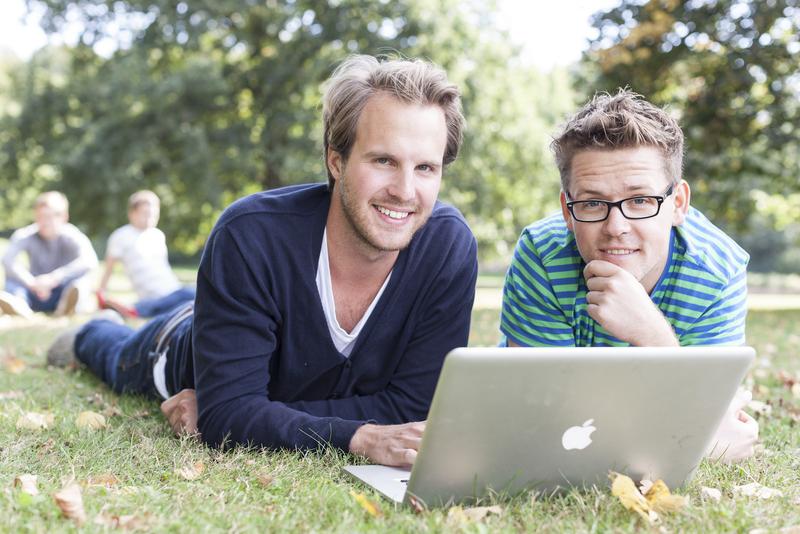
(505, 420)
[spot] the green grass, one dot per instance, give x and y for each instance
(307, 492)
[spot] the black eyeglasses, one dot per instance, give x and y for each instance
(641, 207)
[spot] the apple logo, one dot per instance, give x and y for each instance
(578, 437)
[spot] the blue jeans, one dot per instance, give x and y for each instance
(121, 356)
(38, 305)
(159, 305)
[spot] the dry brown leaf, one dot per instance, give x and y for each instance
(106, 480)
(13, 364)
(11, 395)
(625, 490)
(34, 421)
(477, 513)
(126, 522)
(112, 410)
(416, 505)
(192, 471)
(27, 483)
(70, 502)
(754, 489)
(265, 479)
(712, 494)
(662, 501)
(90, 421)
(371, 507)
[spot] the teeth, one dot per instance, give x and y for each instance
(392, 214)
(618, 251)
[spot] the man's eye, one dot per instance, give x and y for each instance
(591, 204)
(639, 201)
(425, 167)
(382, 161)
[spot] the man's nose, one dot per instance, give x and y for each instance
(402, 186)
(616, 223)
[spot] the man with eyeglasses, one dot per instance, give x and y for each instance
(628, 261)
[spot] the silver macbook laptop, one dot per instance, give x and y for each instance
(505, 420)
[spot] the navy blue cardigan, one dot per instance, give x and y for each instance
(266, 371)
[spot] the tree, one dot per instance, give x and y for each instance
(204, 102)
(729, 70)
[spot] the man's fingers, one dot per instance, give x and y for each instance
(600, 268)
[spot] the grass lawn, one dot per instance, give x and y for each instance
(133, 467)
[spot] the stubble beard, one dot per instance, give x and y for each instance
(359, 222)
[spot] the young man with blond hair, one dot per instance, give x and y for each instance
(142, 249)
(323, 312)
(628, 261)
(60, 258)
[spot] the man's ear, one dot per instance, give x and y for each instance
(335, 163)
(683, 196)
(565, 212)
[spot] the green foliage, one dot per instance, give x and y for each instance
(729, 71)
(204, 102)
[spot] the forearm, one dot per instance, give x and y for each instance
(258, 421)
(107, 271)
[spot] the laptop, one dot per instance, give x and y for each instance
(507, 420)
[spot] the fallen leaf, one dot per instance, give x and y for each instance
(106, 480)
(625, 490)
(90, 420)
(126, 522)
(27, 483)
(370, 506)
(192, 471)
(662, 501)
(754, 489)
(787, 379)
(417, 505)
(477, 513)
(112, 410)
(13, 364)
(712, 494)
(34, 421)
(70, 502)
(265, 479)
(11, 395)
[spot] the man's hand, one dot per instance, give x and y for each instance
(394, 445)
(620, 304)
(737, 433)
(42, 285)
(181, 412)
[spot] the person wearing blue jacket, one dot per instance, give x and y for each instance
(323, 311)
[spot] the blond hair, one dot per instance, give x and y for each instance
(361, 77)
(623, 120)
(55, 200)
(145, 196)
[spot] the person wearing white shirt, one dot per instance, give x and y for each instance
(142, 250)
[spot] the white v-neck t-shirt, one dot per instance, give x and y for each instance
(342, 340)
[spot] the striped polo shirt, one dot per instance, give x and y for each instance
(702, 291)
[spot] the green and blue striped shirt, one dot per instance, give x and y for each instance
(702, 291)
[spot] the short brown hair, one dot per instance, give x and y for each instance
(623, 120)
(55, 200)
(145, 196)
(361, 77)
